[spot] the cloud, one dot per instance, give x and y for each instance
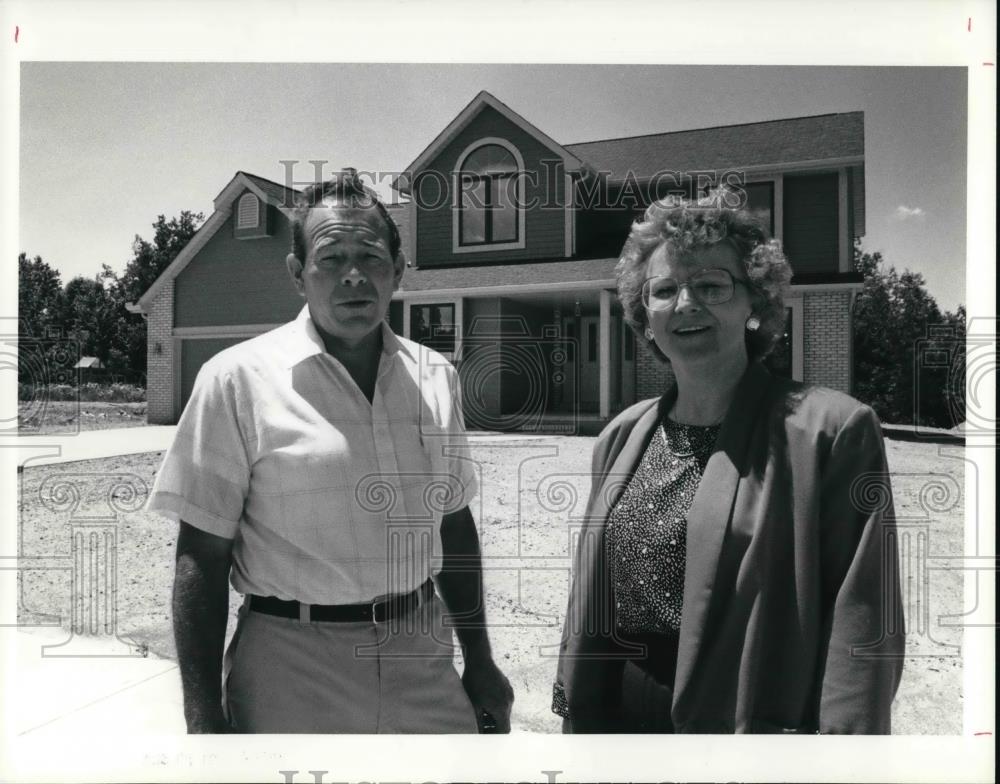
(904, 213)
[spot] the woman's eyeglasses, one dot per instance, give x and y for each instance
(710, 287)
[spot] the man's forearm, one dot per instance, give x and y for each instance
(460, 582)
(201, 610)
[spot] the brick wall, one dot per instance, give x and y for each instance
(159, 369)
(826, 322)
(651, 375)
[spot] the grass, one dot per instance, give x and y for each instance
(530, 490)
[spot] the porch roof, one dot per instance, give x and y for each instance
(484, 276)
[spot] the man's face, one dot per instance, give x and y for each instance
(349, 273)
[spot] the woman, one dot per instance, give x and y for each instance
(737, 568)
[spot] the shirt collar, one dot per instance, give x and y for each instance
(304, 340)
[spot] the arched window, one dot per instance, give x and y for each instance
(489, 210)
(248, 212)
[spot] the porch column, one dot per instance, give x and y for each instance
(604, 355)
(459, 328)
(779, 207)
(843, 227)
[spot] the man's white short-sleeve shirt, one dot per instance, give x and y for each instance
(330, 499)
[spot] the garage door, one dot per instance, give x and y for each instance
(195, 352)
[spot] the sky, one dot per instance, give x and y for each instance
(124, 142)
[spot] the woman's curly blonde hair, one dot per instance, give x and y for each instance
(691, 226)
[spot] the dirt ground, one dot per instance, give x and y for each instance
(67, 417)
(531, 493)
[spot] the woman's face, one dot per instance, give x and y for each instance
(692, 334)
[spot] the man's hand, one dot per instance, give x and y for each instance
(488, 689)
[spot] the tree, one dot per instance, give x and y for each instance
(149, 259)
(90, 316)
(39, 306)
(92, 311)
(39, 291)
(901, 339)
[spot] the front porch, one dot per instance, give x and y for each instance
(544, 358)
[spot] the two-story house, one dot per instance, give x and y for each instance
(512, 239)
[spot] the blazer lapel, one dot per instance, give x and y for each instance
(708, 519)
(590, 568)
(623, 466)
(588, 589)
(588, 646)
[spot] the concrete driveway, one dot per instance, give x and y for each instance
(49, 449)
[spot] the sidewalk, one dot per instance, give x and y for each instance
(66, 686)
(95, 444)
(157, 438)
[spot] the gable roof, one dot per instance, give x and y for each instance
(266, 190)
(483, 101)
(276, 194)
(823, 137)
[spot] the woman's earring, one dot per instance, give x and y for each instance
(753, 323)
(648, 333)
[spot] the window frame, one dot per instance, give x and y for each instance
(458, 314)
(777, 200)
(492, 185)
(458, 209)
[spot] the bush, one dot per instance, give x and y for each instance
(128, 393)
(55, 392)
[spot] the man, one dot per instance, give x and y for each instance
(321, 465)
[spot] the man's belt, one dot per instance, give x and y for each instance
(371, 612)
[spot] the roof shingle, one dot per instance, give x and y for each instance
(282, 195)
(825, 136)
(566, 272)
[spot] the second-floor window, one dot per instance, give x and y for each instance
(760, 203)
(490, 196)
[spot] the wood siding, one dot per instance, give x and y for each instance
(811, 223)
(544, 224)
(194, 354)
(234, 281)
